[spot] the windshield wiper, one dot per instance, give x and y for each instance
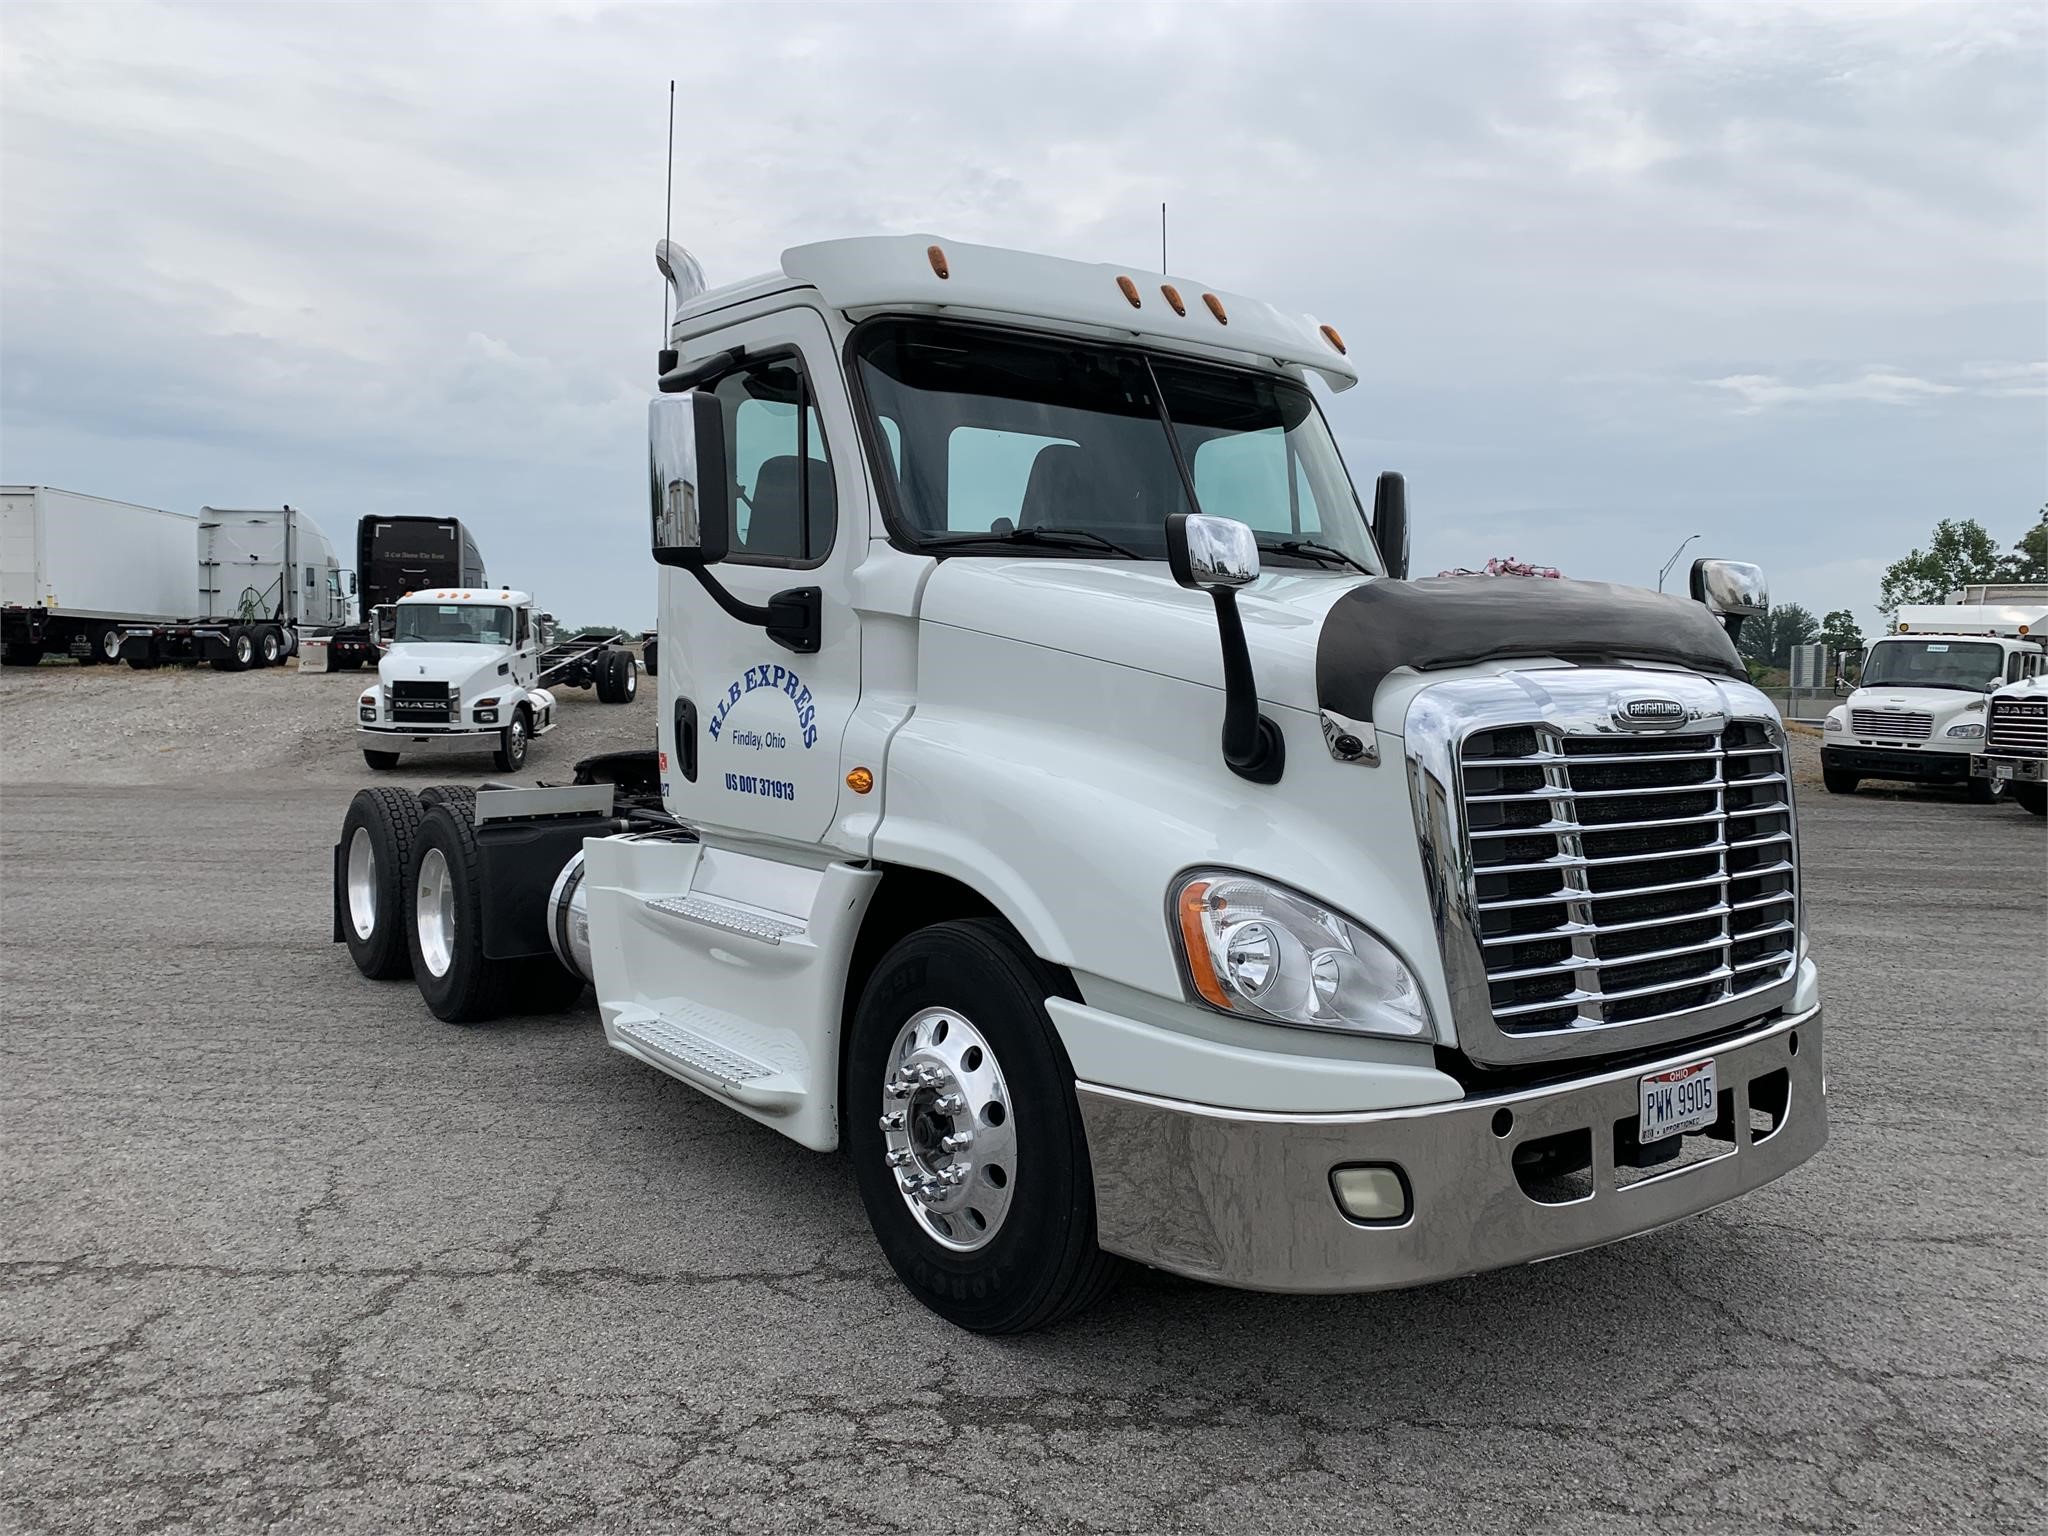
(1051, 538)
(1309, 549)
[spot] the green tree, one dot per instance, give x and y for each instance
(1960, 553)
(2029, 558)
(1840, 632)
(1768, 638)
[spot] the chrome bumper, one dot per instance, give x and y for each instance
(412, 741)
(1245, 1199)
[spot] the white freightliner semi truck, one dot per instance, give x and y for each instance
(1063, 804)
(471, 671)
(1918, 710)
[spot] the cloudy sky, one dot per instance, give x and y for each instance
(1614, 275)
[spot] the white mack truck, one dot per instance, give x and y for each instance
(1918, 711)
(474, 671)
(1064, 805)
(2015, 754)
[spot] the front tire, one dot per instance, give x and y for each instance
(1986, 791)
(996, 1232)
(650, 656)
(2031, 797)
(1839, 782)
(376, 842)
(109, 644)
(512, 742)
(380, 760)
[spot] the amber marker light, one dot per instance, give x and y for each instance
(1200, 967)
(1130, 292)
(1173, 297)
(1216, 308)
(937, 258)
(860, 781)
(1330, 335)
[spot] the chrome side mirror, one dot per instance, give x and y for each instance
(1211, 553)
(1217, 555)
(689, 492)
(1730, 588)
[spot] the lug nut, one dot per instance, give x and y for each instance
(954, 1173)
(956, 1141)
(896, 1159)
(949, 1104)
(893, 1121)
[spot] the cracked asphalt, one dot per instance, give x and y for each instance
(278, 1251)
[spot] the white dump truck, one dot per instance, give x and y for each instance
(1064, 805)
(471, 671)
(1918, 711)
(2015, 753)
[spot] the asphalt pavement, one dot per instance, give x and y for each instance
(278, 1251)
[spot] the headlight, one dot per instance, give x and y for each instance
(1967, 728)
(1832, 724)
(1264, 952)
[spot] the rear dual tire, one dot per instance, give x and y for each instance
(444, 930)
(618, 677)
(377, 839)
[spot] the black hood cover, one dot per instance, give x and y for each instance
(1454, 621)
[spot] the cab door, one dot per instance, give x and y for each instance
(526, 648)
(751, 730)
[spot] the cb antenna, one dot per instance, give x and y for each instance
(668, 205)
(1162, 239)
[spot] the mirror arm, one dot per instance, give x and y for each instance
(1253, 747)
(794, 618)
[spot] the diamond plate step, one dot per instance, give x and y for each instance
(728, 916)
(696, 1056)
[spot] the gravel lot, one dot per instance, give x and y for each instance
(277, 1250)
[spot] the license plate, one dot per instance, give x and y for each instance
(2001, 770)
(1673, 1102)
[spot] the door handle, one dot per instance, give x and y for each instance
(686, 739)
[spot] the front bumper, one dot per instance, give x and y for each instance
(415, 739)
(1926, 765)
(1245, 1199)
(2007, 765)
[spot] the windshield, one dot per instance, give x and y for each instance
(1934, 664)
(454, 624)
(990, 434)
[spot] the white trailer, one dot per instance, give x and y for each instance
(263, 576)
(1062, 801)
(75, 569)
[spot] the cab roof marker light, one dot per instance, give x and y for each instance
(1173, 297)
(1216, 308)
(1130, 291)
(1330, 335)
(937, 258)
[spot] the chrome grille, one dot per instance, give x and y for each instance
(1621, 880)
(1891, 724)
(2018, 725)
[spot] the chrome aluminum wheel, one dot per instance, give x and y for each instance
(433, 909)
(947, 1134)
(362, 884)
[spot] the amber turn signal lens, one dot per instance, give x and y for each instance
(1216, 308)
(937, 258)
(1130, 292)
(1330, 335)
(860, 781)
(1196, 943)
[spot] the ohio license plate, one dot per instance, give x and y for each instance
(2001, 770)
(1673, 1102)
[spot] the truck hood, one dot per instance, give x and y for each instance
(1135, 615)
(1324, 639)
(460, 665)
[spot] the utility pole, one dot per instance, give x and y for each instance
(1671, 562)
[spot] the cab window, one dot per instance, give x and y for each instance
(784, 503)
